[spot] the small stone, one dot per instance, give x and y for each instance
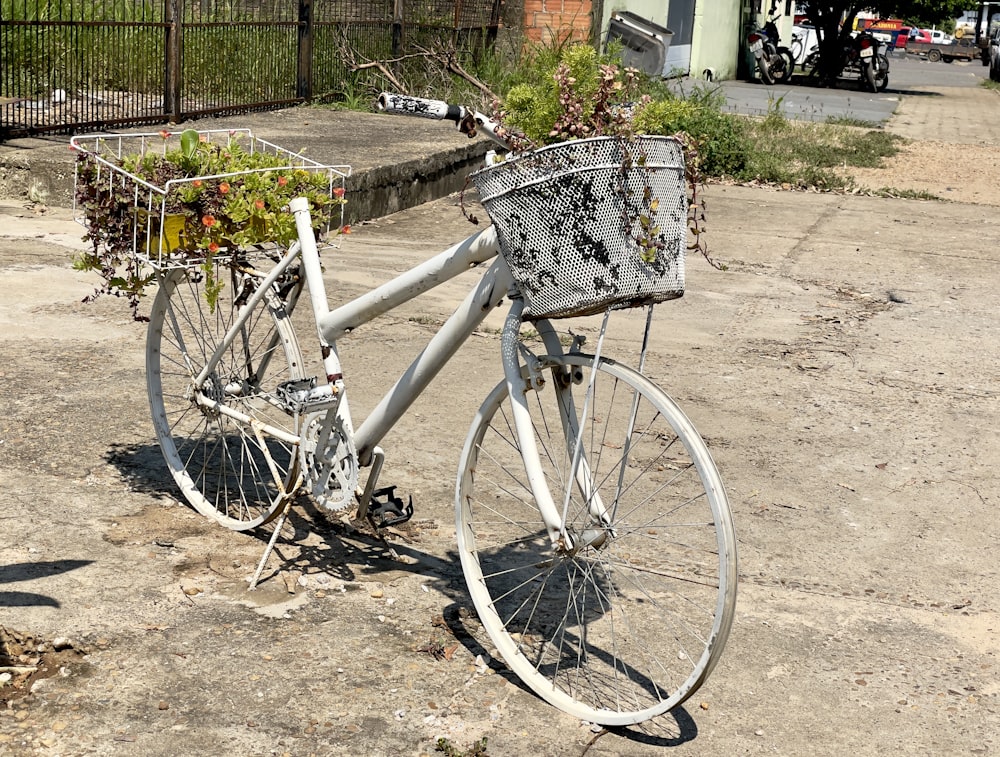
(192, 591)
(58, 726)
(162, 705)
(759, 732)
(704, 705)
(377, 594)
(320, 594)
(61, 642)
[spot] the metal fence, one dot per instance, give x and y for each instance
(68, 65)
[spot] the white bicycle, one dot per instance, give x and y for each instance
(593, 526)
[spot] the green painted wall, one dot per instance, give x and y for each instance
(716, 40)
(716, 37)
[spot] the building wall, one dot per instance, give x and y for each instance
(549, 21)
(716, 39)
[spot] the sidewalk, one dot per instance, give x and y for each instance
(396, 162)
(836, 380)
(843, 379)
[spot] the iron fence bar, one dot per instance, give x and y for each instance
(173, 13)
(303, 79)
(121, 71)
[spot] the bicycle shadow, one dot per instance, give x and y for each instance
(315, 542)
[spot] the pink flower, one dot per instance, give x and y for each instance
(338, 192)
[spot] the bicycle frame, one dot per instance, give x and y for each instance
(495, 284)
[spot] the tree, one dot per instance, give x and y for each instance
(834, 21)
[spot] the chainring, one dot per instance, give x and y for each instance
(329, 460)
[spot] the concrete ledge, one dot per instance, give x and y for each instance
(396, 162)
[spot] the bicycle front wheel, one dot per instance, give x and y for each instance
(628, 623)
(227, 468)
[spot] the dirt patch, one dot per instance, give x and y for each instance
(26, 659)
(959, 173)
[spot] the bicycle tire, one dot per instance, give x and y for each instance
(882, 79)
(787, 66)
(628, 628)
(217, 461)
(869, 77)
(764, 66)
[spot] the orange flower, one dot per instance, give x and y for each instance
(164, 133)
(213, 247)
(338, 192)
(345, 229)
(259, 204)
(197, 183)
(223, 188)
(208, 221)
(282, 181)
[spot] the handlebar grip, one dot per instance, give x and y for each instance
(417, 106)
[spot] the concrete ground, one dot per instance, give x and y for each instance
(842, 370)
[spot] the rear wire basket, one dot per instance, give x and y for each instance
(148, 204)
(574, 220)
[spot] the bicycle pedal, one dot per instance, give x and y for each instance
(386, 509)
(304, 396)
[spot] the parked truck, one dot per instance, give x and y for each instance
(964, 48)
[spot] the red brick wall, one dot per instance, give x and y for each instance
(557, 20)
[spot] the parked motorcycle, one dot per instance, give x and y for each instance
(774, 62)
(874, 67)
(860, 57)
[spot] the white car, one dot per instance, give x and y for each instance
(939, 37)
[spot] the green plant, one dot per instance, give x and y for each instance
(584, 94)
(209, 198)
(476, 749)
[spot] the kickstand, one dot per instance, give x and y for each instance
(271, 542)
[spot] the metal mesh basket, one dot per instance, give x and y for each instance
(128, 212)
(574, 221)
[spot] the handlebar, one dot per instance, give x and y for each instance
(469, 122)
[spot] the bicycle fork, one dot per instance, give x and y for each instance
(554, 514)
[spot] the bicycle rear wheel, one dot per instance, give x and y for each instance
(225, 468)
(631, 622)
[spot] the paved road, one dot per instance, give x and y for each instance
(907, 75)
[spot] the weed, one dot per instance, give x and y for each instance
(990, 84)
(425, 320)
(906, 194)
(860, 123)
(476, 749)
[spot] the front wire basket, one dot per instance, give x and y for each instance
(146, 208)
(591, 224)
